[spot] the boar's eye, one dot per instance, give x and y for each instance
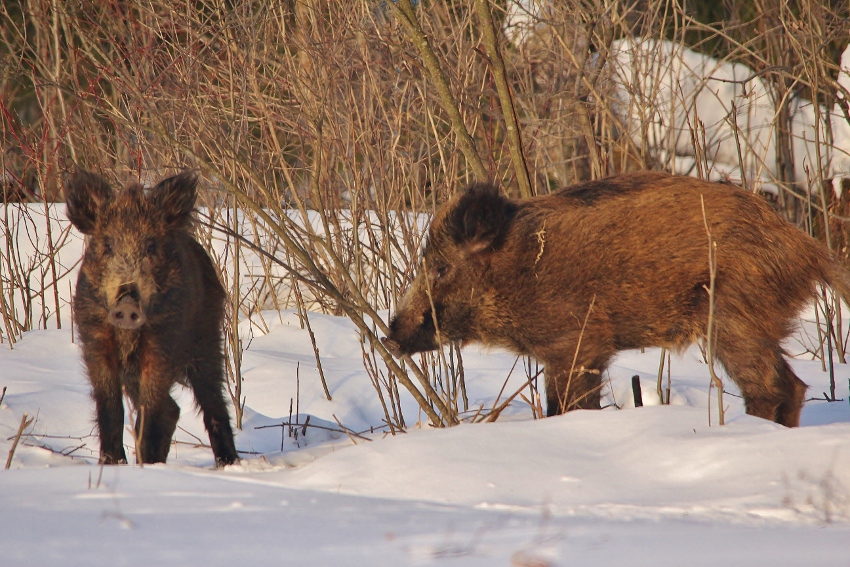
(442, 271)
(107, 248)
(151, 249)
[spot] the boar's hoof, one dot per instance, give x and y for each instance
(393, 347)
(127, 314)
(221, 462)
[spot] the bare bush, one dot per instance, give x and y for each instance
(323, 140)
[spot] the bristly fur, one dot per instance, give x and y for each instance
(149, 309)
(523, 274)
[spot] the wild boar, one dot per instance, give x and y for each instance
(149, 308)
(573, 277)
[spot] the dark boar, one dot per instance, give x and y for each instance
(523, 274)
(149, 308)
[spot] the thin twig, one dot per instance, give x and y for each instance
(24, 424)
(342, 429)
(496, 412)
(710, 333)
(506, 99)
(407, 16)
(661, 376)
(565, 402)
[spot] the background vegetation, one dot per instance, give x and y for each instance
(315, 123)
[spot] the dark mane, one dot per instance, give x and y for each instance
(589, 192)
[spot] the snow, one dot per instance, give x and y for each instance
(664, 90)
(666, 95)
(655, 485)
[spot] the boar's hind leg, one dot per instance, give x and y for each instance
(770, 388)
(160, 420)
(207, 380)
(794, 395)
(156, 411)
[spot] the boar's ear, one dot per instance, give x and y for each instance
(174, 198)
(86, 194)
(480, 219)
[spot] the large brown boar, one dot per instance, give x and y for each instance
(149, 308)
(622, 263)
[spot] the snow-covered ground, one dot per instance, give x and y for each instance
(667, 95)
(633, 486)
(663, 90)
(655, 485)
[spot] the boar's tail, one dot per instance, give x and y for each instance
(837, 277)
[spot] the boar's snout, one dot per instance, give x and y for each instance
(410, 333)
(127, 313)
(393, 347)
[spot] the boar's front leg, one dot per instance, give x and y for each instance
(574, 380)
(563, 394)
(573, 363)
(102, 364)
(206, 378)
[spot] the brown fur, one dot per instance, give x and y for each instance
(522, 274)
(149, 308)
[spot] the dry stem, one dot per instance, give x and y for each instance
(24, 424)
(710, 333)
